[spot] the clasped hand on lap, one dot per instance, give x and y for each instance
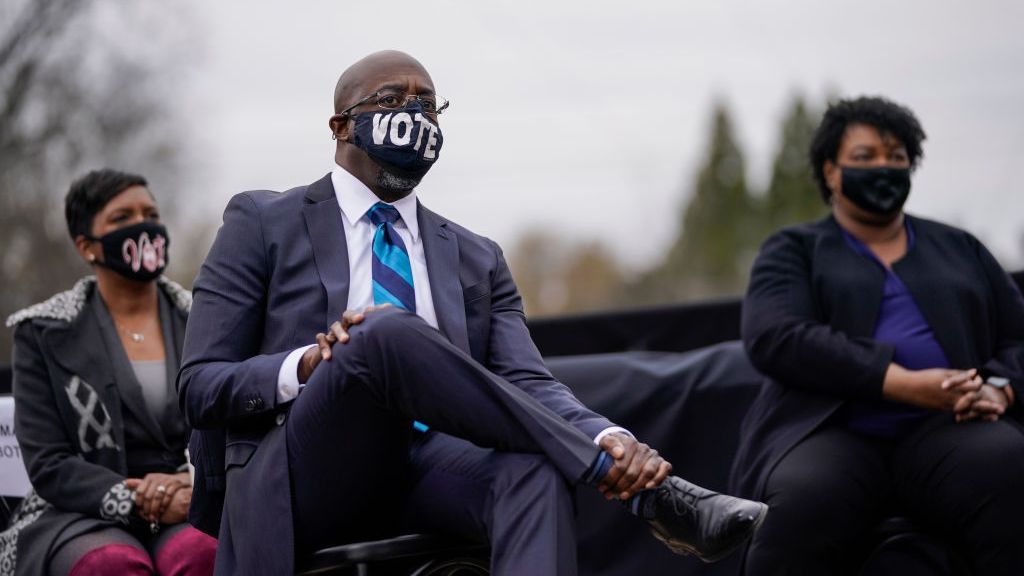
(959, 391)
(162, 498)
(337, 332)
(636, 466)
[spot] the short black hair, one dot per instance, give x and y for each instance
(885, 115)
(90, 193)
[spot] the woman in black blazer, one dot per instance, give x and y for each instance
(95, 405)
(894, 351)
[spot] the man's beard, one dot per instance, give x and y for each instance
(396, 184)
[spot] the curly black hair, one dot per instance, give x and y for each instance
(90, 193)
(885, 115)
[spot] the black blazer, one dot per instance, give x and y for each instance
(810, 313)
(81, 419)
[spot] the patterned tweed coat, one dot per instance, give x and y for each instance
(82, 422)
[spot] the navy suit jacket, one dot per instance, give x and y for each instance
(277, 274)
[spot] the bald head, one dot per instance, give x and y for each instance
(366, 75)
(393, 77)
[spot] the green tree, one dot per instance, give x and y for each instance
(711, 256)
(792, 196)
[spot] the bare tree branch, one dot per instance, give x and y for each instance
(65, 109)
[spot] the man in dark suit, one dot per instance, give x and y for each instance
(425, 405)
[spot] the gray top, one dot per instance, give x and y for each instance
(152, 377)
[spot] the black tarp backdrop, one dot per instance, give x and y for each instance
(689, 406)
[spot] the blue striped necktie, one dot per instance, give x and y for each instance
(392, 273)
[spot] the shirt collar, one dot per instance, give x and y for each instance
(355, 199)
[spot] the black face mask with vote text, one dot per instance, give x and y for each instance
(402, 140)
(137, 252)
(880, 190)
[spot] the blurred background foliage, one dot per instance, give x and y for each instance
(82, 87)
(721, 224)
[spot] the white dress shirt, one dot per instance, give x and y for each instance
(354, 200)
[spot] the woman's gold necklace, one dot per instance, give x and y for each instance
(136, 337)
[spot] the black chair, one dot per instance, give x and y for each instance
(408, 555)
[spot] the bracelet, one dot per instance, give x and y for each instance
(1000, 383)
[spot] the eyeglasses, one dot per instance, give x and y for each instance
(393, 100)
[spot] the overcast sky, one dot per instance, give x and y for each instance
(570, 114)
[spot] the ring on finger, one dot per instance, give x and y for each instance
(161, 489)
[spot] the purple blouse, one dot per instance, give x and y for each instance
(901, 324)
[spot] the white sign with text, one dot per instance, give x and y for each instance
(13, 478)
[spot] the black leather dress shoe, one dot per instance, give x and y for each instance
(692, 520)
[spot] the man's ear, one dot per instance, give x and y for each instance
(339, 124)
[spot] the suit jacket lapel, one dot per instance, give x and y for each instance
(124, 376)
(330, 251)
(856, 320)
(441, 248)
(81, 350)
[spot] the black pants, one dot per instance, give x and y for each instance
(962, 482)
(497, 465)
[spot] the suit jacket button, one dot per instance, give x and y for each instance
(280, 419)
(250, 405)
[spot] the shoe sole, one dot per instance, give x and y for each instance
(685, 549)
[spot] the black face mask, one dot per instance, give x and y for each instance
(877, 190)
(404, 140)
(137, 252)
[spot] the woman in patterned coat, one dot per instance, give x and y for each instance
(95, 405)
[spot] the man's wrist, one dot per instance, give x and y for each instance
(288, 384)
(302, 373)
(612, 430)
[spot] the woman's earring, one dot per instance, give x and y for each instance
(92, 258)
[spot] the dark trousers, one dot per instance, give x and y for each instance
(496, 465)
(961, 482)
